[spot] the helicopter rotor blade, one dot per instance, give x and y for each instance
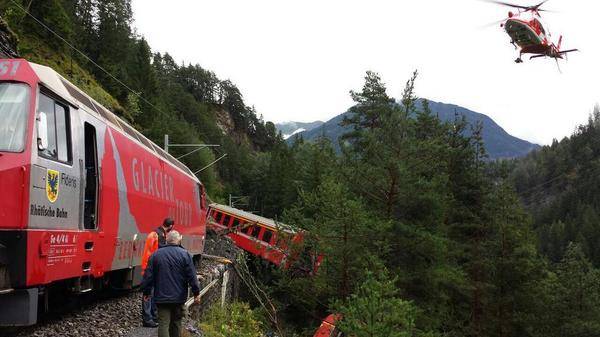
(507, 4)
(558, 65)
(526, 8)
(536, 56)
(491, 24)
(536, 7)
(567, 51)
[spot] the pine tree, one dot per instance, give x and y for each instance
(375, 310)
(576, 296)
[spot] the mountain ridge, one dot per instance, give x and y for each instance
(498, 142)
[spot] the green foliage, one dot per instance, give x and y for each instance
(340, 227)
(560, 186)
(569, 302)
(234, 320)
(375, 310)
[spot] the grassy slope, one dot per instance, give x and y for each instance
(35, 51)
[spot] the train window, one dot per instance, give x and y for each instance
(267, 236)
(55, 144)
(236, 222)
(256, 231)
(61, 133)
(14, 105)
(218, 216)
(248, 230)
(226, 220)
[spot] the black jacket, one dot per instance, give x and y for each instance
(162, 236)
(170, 271)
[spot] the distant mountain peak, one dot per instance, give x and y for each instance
(291, 128)
(498, 142)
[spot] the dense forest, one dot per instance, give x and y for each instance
(560, 185)
(422, 234)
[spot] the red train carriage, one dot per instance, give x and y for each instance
(81, 190)
(278, 243)
(327, 327)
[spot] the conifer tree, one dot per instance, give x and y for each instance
(376, 310)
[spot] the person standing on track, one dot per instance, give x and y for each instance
(155, 240)
(170, 271)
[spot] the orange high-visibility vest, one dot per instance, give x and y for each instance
(150, 247)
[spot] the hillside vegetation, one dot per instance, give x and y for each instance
(560, 184)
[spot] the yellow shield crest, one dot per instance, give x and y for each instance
(52, 184)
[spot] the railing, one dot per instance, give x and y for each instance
(224, 280)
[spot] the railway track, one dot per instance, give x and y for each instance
(108, 313)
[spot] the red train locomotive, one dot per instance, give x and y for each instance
(81, 190)
(276, 242)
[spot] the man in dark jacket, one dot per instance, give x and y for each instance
(155, 240)
(169, 272)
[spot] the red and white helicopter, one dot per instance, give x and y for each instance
(528, 34)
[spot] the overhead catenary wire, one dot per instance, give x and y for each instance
(85, 56)
(137, 94)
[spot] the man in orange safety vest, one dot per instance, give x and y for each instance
(154, 241)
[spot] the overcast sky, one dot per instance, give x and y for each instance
(297, 60)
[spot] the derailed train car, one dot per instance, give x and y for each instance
(80, 191)
(278, 243)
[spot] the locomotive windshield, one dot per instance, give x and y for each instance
(14, 103)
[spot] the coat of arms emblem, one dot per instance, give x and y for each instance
(52, 184)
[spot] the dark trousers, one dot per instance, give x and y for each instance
(169, 319)
(149, 311)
